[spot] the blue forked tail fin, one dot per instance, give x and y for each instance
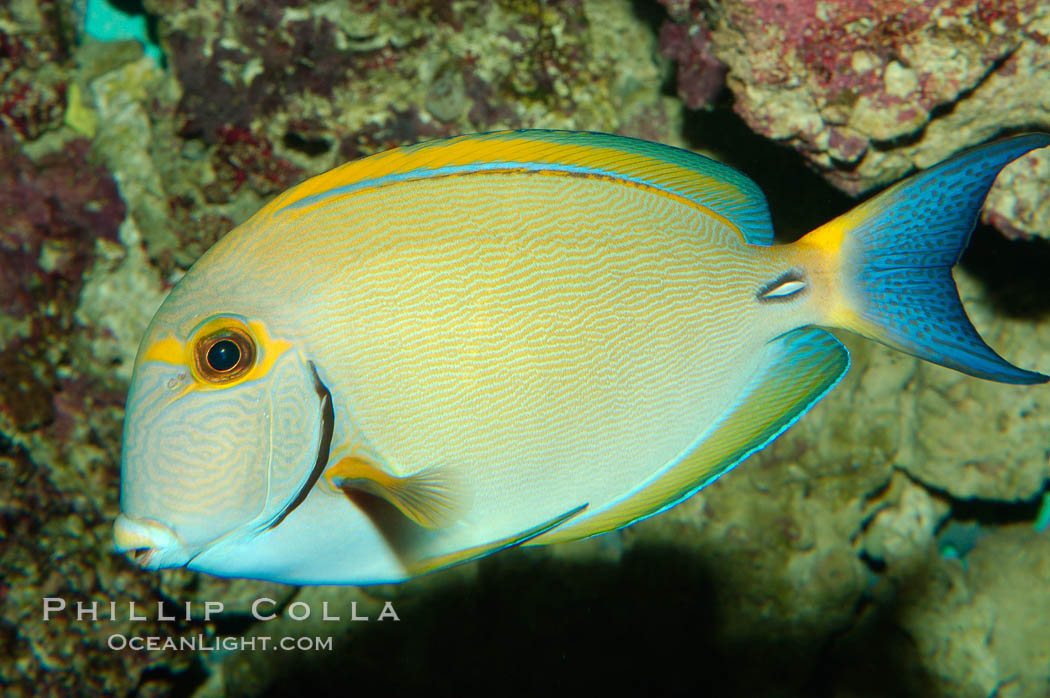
(894, 255)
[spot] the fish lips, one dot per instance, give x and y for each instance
(149, 544)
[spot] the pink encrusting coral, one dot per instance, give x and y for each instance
(32, 101)
(701, 75)
(117, 174)
(887, 52)
(325, 70)
(54, 210)
(59, 429)
(868, 91)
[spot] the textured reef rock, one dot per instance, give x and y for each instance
(76, 292)
(34, 43)
(60, 412)
(979, 628)
(315, 84)
(827, 545)
(117, 174)
(869, 91)
(947, 453)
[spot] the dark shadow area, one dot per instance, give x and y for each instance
(643, 626)
(987, 512)
(971, 519)
(650, 13)
(305, 145)
(131, 7)
(1014, 271)
(799, 198)
(161, 680)
(875, 657)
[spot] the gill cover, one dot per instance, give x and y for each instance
(225, 433)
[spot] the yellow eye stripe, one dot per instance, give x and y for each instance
(268, 349)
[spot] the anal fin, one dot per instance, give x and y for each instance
(431, 564)
(797, 369)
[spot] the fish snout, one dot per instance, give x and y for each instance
(149, 544)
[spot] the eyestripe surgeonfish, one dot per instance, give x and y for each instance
(439, 351)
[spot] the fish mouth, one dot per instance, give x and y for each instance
(148, 543)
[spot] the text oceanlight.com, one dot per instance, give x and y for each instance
(228, 643)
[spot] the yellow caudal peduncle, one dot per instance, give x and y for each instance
(822, 255)
(833, 235)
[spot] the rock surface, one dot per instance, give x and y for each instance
(980, 628)
(871, 91)
(118, 174)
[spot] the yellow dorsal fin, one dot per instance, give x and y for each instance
(719, 189)
(429, 498)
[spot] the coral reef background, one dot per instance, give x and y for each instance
(891, 543)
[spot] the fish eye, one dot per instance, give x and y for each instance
(224, 356)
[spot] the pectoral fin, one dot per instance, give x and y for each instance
(429, 498)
